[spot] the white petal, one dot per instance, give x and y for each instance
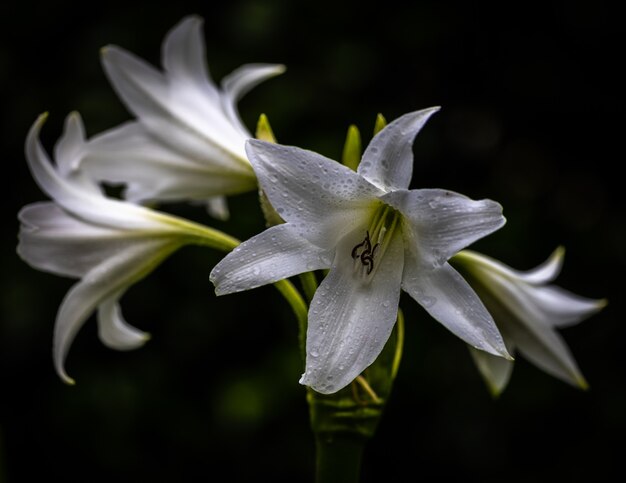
(69, 148)
(100, 284)
(153, 170)
(217, 207)
(444, 222)
(496, 371)
(142, 88)
(114, 331)
(54, 241)
(449, 299)
(183, 110)
(541, 345)
(240, 82)
(561, 308)
(277, 253)
(323, 198)
(548, 305)
(177, 108)
(388, 160)
(184, 56)
(351, 316)
(544, 273)
(547, 271)
(86, 204)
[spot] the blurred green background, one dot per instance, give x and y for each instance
(533, 117)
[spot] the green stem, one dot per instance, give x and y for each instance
(339, 458)
(309, 284)
(342, 424)
(209, 237)
(299, 307)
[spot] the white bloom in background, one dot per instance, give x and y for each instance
(108, 244)
(188, 140)
(527, 310)
(376, 237)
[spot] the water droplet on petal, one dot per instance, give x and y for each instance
(427, 301)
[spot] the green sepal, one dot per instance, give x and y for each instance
(264, 130)
(352, 148)
(380, 123)
(264, 133)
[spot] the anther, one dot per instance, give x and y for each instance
(367, 253)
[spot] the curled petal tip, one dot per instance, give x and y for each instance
(583, 384)
(67, 379)
(600, 304)
(42, 118)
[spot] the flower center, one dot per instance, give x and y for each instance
(368, 253)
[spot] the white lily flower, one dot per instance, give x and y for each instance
(527, 309)
(188, 140)
(108, 244)
(376, 236)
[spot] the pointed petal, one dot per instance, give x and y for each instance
(142, 88)
(152, 170)
(548, 305)
(547, 271)
(114, 331)
(277, 253)
(351, 316)
(86, 204)
(69, 148)
(100, 284)
(544, 273)
(192, 117)
(323, 198)
(239, 82)
(217, 207)
(388, 160)
(558, 307)
(496, 371)
(449, 299)
(54, 241)
(445, 222)
(542, 346)
(184, 56)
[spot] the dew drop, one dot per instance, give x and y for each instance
(386, 303)
(428, 302)
(314, 354)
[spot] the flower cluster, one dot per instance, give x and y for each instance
(370, 235)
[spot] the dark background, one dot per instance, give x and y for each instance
(532, 117)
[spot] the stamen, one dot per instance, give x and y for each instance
(382, 225)
(367, 254)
